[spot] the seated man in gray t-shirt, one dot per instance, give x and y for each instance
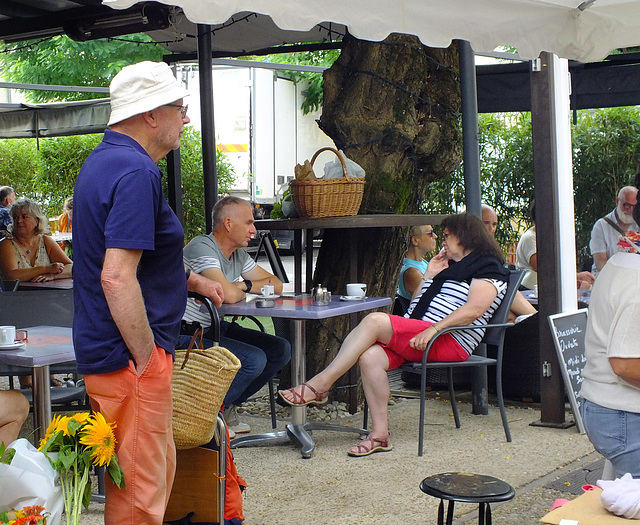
(222, 257)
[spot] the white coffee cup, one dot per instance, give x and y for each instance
(267, 290)
(356, 289)
(7, 335)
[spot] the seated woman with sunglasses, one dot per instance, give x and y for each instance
(464, 284)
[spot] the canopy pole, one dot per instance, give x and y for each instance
(470, 141)
(471, 165)
(554, 227)
(209, 171)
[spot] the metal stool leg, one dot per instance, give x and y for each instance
(450, 512)
(441, 513)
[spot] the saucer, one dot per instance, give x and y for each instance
(352, 298)
(269, 296)
(12, 346)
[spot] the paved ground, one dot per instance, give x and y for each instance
(334, 488)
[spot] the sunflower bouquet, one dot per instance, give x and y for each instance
(73, 445)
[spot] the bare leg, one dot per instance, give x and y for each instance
(375, 327)
(374, 364)
(14, 409)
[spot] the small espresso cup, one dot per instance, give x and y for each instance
(7, 335)
(356, 289)
(267, 290)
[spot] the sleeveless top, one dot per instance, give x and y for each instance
(42, 258)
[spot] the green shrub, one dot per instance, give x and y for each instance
(48, 175)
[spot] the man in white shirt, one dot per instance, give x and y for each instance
(608, 230)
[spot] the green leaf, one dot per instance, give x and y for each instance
(73, 426)
(86, 496)
(115, 473)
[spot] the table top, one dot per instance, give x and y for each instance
(356, 221)
(47, 345)
(56, 284)
(300, 307)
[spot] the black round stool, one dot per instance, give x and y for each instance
(467, 488)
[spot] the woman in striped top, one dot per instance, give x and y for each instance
(463, 284)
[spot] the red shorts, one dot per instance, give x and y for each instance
(398, 351)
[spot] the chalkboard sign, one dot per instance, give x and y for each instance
(569, 330)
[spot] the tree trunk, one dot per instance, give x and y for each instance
(394, 108)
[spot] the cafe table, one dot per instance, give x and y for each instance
(47, 345)
(299, 309)
(55, 284)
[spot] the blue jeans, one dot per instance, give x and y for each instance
(261, 356)
(615, 434)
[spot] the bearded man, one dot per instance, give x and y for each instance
(608, 230)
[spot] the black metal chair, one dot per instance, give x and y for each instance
(494, 335)
(10, 285)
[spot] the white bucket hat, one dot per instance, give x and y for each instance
(142, 87)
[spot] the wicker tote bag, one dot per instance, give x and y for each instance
(201, 378)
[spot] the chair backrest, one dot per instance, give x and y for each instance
(501, 315)
(10, 286)
(213, 314)
(400, 305)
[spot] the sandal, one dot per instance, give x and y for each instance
(298, 400)
(370, 446)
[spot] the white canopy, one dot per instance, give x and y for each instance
(585, 32)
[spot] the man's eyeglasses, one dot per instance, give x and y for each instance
(183, 109)
(627, 206)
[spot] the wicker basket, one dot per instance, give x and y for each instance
(199, 387)
(328, 198)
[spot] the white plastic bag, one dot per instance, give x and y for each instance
(333, 170)
(30, 480)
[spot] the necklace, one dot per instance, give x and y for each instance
(26, 249)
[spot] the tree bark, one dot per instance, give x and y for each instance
(394, 108)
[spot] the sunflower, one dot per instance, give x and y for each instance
(51, 430)
(97, 433)
(63, 423)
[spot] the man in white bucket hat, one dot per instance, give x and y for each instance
(130, 286)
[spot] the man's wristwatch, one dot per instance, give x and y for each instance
(248, 284)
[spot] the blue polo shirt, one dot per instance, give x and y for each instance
(118, 203)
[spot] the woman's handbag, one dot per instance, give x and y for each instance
(199, 385)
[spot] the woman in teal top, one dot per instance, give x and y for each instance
(421, 240)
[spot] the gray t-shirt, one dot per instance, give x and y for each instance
(203, 253)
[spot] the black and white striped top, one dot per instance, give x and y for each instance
(452, 296)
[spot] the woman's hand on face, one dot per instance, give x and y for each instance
(437, 264)
(420, 341)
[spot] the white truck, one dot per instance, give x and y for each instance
(260, 126)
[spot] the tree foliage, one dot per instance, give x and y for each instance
(63, 61)
(313, 94)
(192, 176)
(606, 149)
(48, 174)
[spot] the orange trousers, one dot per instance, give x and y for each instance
(141, 408)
